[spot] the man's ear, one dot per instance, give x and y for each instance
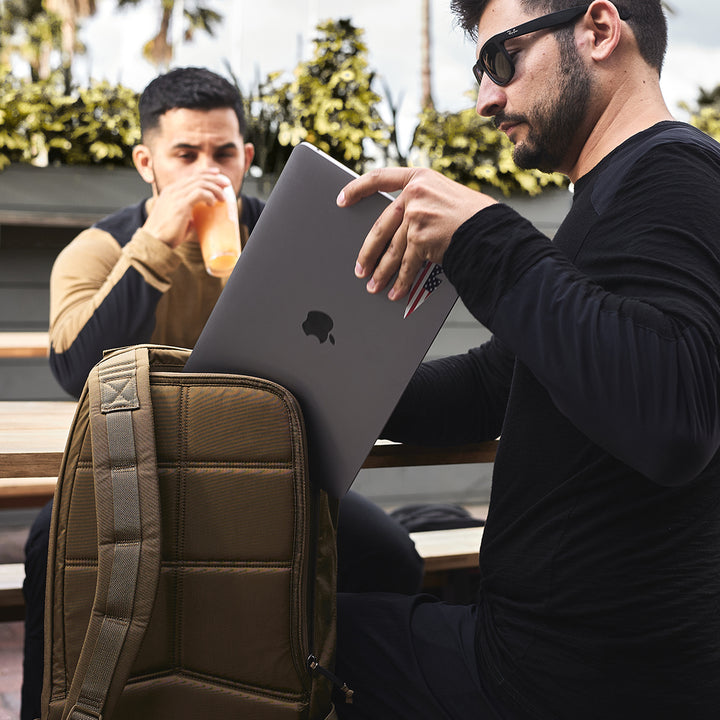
(142, 157)
(602, 21)
(249, 149)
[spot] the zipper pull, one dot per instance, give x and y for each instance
(315, 666)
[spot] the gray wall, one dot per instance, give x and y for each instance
(26, 257)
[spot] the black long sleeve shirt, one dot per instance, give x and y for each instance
(600, 560)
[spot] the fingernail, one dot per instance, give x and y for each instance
(341, 198)
(371, 285)
(359, 270)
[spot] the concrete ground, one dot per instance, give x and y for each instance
(14, 527)
(11, 641)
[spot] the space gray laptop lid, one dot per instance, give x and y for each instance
(293, 312)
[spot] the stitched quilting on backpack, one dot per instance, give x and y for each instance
(192, 565)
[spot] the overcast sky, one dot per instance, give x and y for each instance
(258, 38)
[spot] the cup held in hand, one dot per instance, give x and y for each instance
(218, 232)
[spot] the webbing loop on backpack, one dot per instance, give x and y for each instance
(78, 714)
(117, 395)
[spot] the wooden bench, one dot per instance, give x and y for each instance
(24, 344)
(12, 603)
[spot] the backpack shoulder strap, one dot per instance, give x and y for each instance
(128, 520)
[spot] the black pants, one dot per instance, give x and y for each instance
(375, 553)
(409, 658)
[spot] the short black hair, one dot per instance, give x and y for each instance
(192, 88)
(646, 19)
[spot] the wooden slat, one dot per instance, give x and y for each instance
(448, 549)
(12, 603)
(27, 479)
(24, 344)
(388, 455)
(26, 492)
(35, 427)
(32, 440)
(30, 465)
(47, 464)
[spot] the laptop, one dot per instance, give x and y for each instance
(293, 312)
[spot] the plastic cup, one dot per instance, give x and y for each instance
(218, 232)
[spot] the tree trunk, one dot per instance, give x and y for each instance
(159, 50)
(69, 11)
(426, 100)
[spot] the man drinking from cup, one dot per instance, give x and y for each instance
(138, 275)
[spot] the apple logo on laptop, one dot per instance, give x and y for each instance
(319, 325)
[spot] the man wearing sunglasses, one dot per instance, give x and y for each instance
(600, 562)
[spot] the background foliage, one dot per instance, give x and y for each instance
(44, 33)
(469, 149)
(41, 124)
(706, 115)
(329, 100)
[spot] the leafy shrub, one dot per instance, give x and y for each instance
(330, 102)
(470, 150)
(706, 116)
(40, 124)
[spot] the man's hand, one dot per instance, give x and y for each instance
(416, 227)
(171, 216)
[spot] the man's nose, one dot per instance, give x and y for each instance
(205, 161)
(491, 98)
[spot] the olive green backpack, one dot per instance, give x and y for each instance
(192, 566)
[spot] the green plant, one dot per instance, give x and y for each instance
(30, 32)
(706, 116)
(330, 102)
(41, 124)
(469, 149)
(266, 111)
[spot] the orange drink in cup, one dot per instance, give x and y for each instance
(218, 232)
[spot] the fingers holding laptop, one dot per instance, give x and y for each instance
(416, 227)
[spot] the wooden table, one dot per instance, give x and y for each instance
(32, 441)
(33, 436)
(24, 344)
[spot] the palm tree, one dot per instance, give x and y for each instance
(34, 29)
(426, 101)
(159, 49)
(68, 13)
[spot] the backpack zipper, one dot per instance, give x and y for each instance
(315, 666)
(312, 662)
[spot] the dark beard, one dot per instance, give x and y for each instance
(555, 122)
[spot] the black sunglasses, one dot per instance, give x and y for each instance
(494, 58)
